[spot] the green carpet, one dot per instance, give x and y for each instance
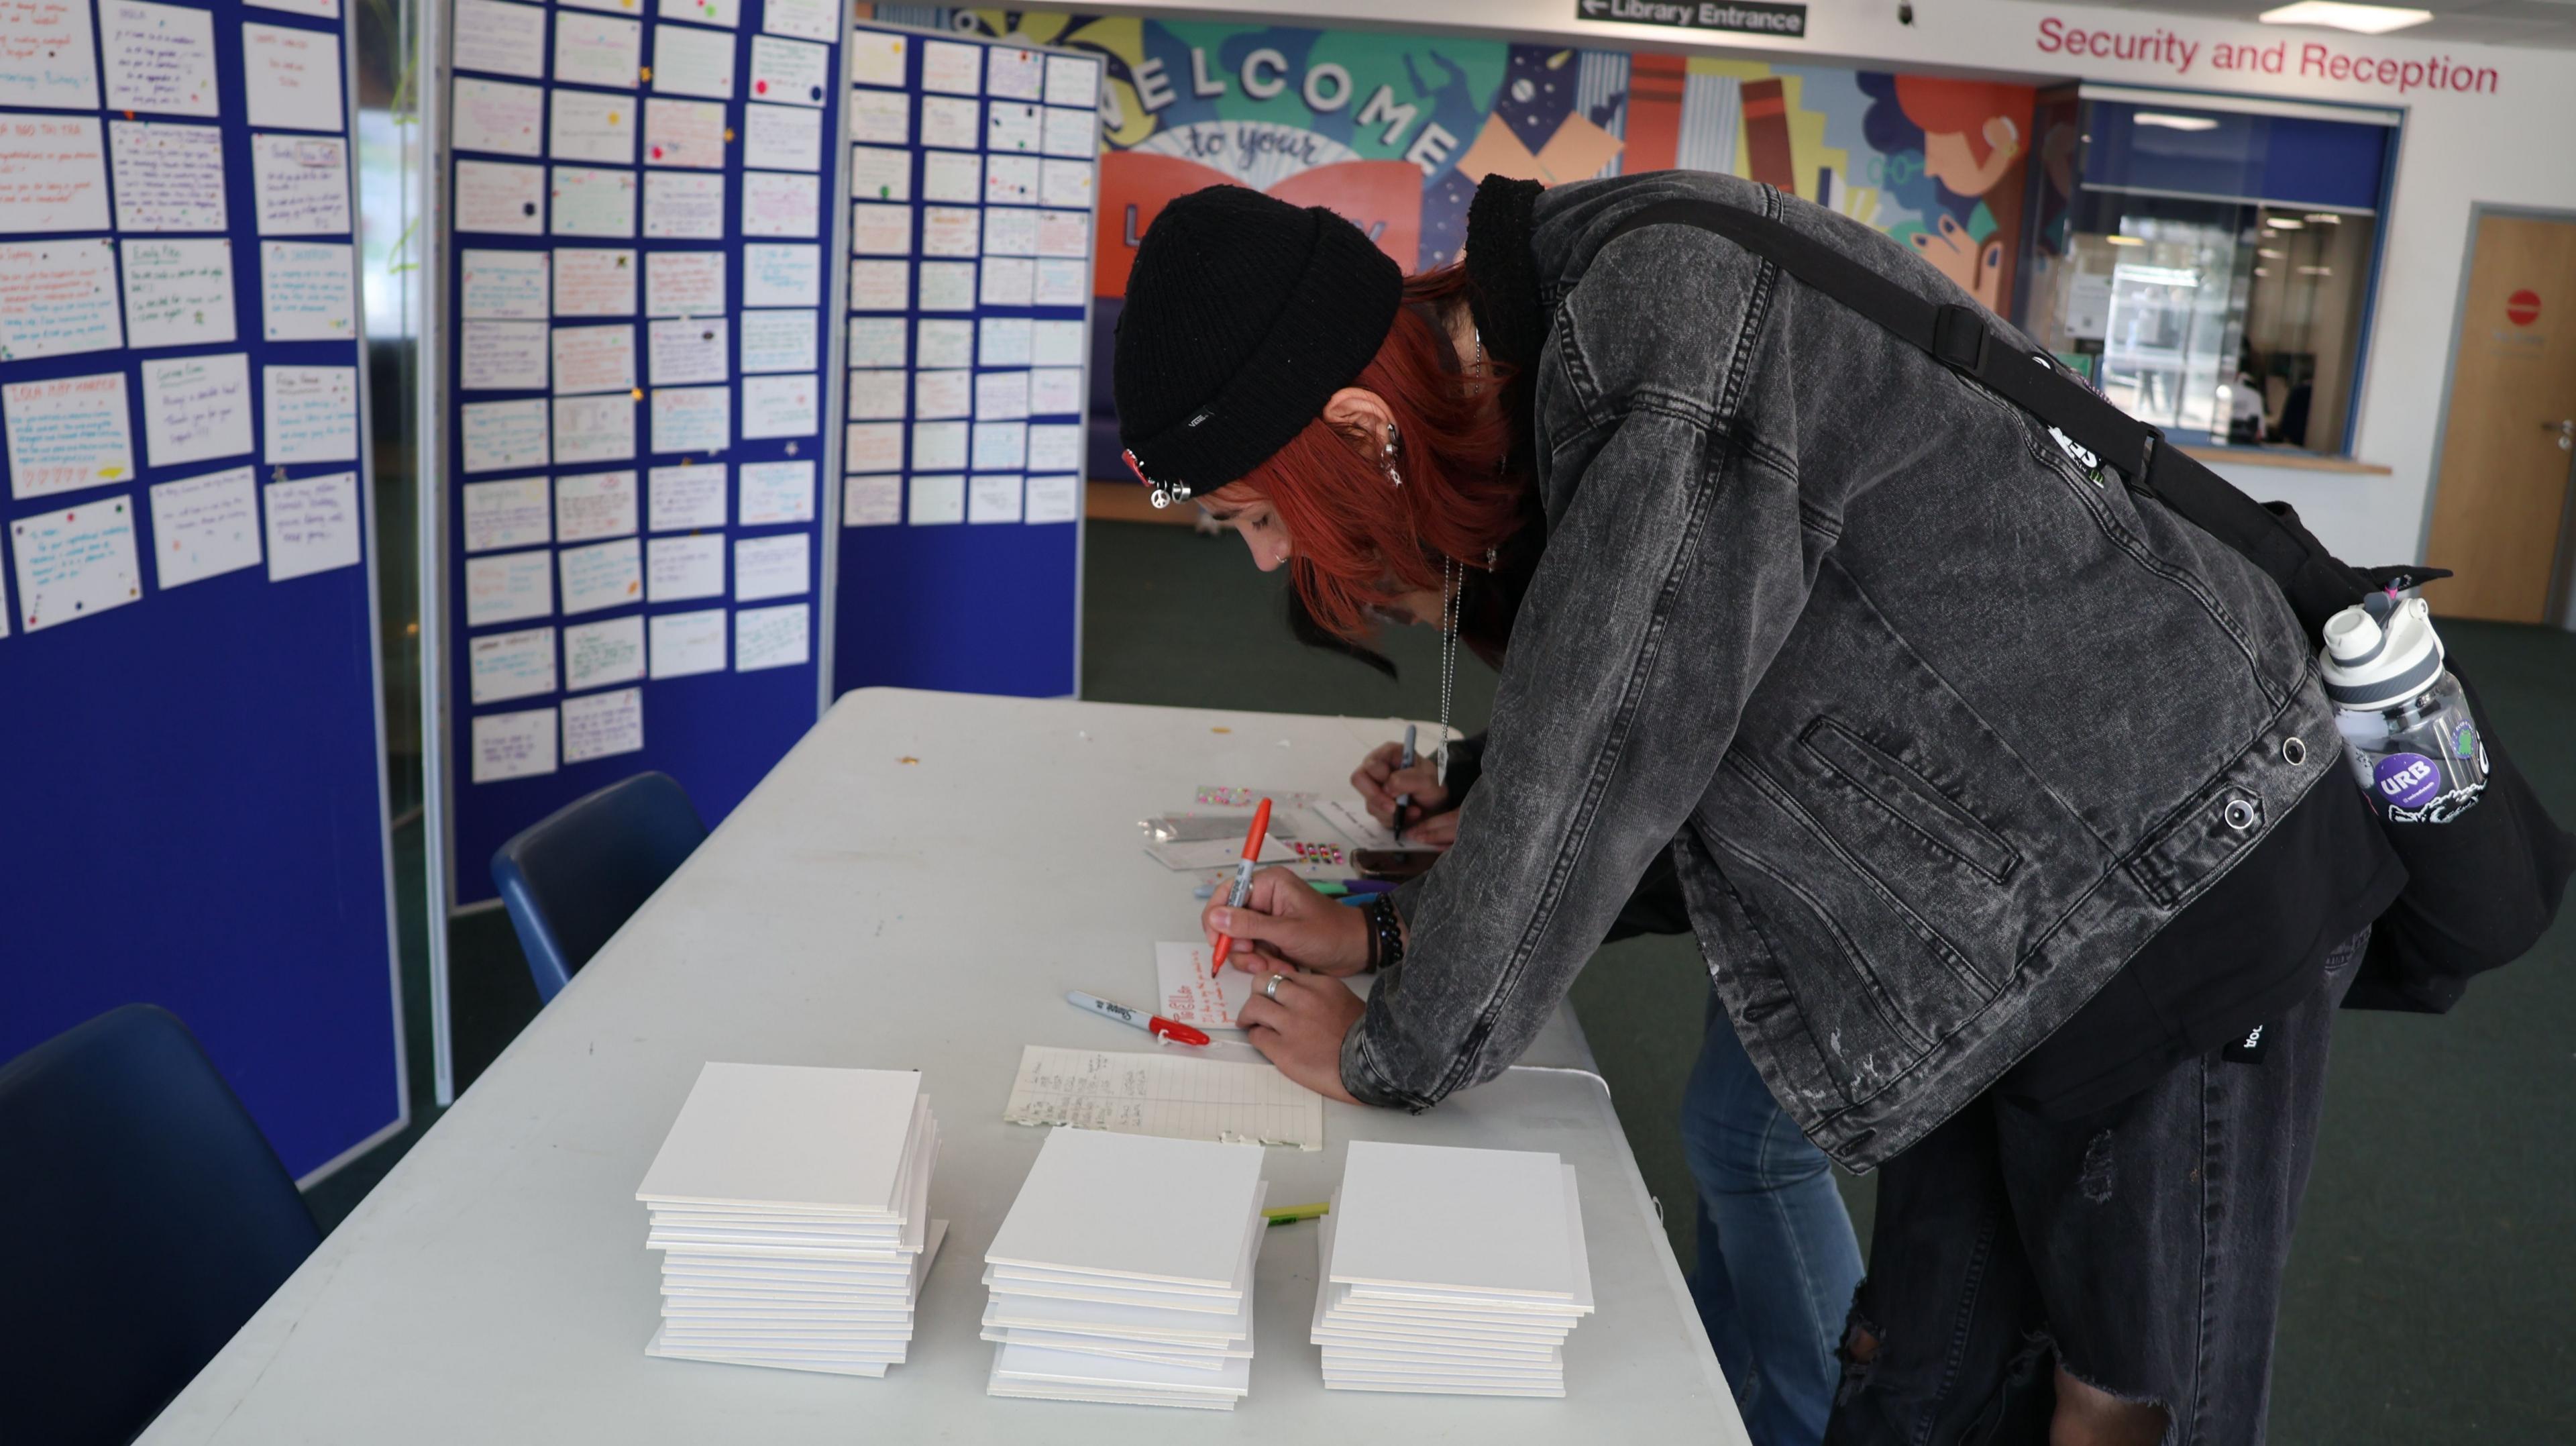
(2423, 1298)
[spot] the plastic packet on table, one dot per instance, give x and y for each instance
(1207, 827)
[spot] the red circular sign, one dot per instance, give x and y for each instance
(2523, 307)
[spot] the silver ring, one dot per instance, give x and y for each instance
(1270, 990)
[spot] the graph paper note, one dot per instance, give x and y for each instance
(1164, 1094)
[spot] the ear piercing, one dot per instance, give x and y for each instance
(1393, 476)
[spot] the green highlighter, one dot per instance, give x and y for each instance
(1291, 1214)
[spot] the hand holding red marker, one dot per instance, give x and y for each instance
(1242, 881)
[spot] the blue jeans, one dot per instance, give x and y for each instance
(1777, 1258)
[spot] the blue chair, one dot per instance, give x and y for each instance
(144, 1219)
(575, 877)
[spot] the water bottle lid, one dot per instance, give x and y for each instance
(2380, 661)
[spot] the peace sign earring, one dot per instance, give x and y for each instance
(1393, 476)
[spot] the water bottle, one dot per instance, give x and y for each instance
(2404, 719)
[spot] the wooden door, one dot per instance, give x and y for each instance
(2502, 489)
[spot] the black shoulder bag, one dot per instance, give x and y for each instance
(2482, 888)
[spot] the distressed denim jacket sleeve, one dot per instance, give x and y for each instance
(1676, 564)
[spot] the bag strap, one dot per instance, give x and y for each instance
(2317, 584)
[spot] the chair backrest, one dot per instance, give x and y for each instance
(142, 1220)
(572, 879)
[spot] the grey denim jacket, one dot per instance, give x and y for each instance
(1942, 725)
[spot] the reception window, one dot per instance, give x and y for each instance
(2208, 261)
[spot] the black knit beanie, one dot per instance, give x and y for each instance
(1244, 315)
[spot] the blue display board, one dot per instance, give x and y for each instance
(194, 793)
(974, 175)
(640, 205)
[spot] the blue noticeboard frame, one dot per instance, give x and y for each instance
(196, 789)
(714, 715)
(979, 592)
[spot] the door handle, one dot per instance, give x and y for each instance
(2566, 430)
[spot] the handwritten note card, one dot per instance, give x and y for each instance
(594, 359)
(937, 500)
(307, 291)
(952, 67)
(204, 526)
(687, 643)
(687, 497)
(57, 297)
(681, 207)
(313, 525)
(881, 228)
(53, 174)
(993, 497)
(499, 197)
(601, 50)
(793, 72)
(876, 58)
(690, 61)
(1063, 283)
(782, 406)
(684, 133)
(310, 414)
(67, 434)
(594, 505)
(872, 501)
(776, 203)
(782, 138)
(196, 408)
(1008, 281)
(1073, 80)
(876, 394)
(498, 116)
(45, 55)
(590, 202)
(776, 492)
(169, 177)
(597, 428)
(505, 285)
(504, 436)
(603, 724)
(594, 282)
(688, 349)
(608, 651)
(880, 117)
(501, 356)
(504, 39)
(684, 283)
(776, 274)
(159, 57)
(291, 77)
(589, 126)
(872, 446)
(507, 586)
(779, 637)
(692, 419)
(503, 666)
(880, 285)
(1185, 994)
(513, 745)
(1170, 1095)
(513, 512)
(602, 575)
(1012, 73)
(301, 184)
(1055, 448)
(1054, 499)
(768, 567)
(75, 563)
(688, 566)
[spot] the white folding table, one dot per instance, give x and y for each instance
(915, 885)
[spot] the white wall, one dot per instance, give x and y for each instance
(2508, 146)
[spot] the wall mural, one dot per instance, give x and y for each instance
(1395, 130)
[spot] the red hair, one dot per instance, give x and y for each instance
(1358, 541)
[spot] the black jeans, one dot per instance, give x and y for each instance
(2141, 1247)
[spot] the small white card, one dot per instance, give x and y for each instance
(309, 414)
(992, 497)
(688, 566)
(196, 408)
(768, 567)
(601, 725)
(692, 419)
(937, 500)
(687, 643)
(680, 499)
(776, 637)
(205, 526)
(789, 405)
(512, 512)
(601, 575)
(313, 525)
(610, 650)
(507, 586)
(291, 77)
(513, 745)
(871, 501)
(594, 359)
(308, 291)
(75, 563)
(505, 436)
(684, 283)
(782, 274)
(500, 197)
(503, 666)
(682, 207)
(776, 492)
(781, 341)
(590, 202)
(67, 434)
(599, 428)
(779, 203)
(301, 185)
(688, 349)
(593, 505)
(501, 356)
(782, 138)
(178, 293)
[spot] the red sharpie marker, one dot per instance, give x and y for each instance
(1242, 882)
(1150, 1023)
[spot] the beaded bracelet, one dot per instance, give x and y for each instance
(1386, 935)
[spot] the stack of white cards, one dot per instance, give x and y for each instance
(791, 1207)
(1124, 1273)
(1457, 1272)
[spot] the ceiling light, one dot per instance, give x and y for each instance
(2367, 19)
(2175, 122)
(2316, 271)
(2325, 218)
(2285, 223)
(2125, 240)
(2271, 252)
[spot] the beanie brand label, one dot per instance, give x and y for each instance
(1201, 415)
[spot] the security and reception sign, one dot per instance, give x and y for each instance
(1744, 17)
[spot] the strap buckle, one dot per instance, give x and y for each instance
(1959, 336)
